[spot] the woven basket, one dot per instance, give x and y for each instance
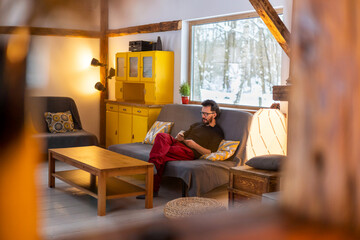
(190, 206)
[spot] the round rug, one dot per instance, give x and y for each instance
(190, 206)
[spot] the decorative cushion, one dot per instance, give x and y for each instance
(59, 122)
(157, 127)
(267, 162)
(226, 150)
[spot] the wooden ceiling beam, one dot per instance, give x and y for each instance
(53, 32)
(272, 20)
(148, 28)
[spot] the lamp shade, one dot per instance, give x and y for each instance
(95, 62)
(99, 86)
(268, 134)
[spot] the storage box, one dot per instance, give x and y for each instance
(137, 46)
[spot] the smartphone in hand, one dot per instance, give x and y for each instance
(180, 136)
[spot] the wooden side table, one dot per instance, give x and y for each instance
(250, 183)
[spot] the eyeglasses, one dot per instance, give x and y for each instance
(205, 113)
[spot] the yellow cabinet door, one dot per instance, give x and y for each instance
(125, 127)
(140, 128)
(133, 70)
(111, 128)
(150, 94)
(147, 66)
(119, 92)
(121, 66)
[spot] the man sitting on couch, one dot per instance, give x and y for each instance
(201, 138)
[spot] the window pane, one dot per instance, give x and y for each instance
(133, 72)
(235, 62)
(147, 68)
(120, 66)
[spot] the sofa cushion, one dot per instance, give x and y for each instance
(136, 150)
(157, 127)
(67, 139)
(59, 122)
(267, 162)
(226, 150)
(200, 176)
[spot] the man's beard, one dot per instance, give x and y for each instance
(207, 122)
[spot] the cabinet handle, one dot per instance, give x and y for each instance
(120, 89)
(133, 136)
(124, 109)
(116, 132)
(138, 111)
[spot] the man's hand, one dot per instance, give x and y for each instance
(180, 136)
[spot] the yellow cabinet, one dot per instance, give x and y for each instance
(150, 78)
(127, 123)
(112, 124)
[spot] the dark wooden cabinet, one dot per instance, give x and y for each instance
(250, 183)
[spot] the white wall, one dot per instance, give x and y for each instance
(133, 13)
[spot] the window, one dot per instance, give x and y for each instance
(234, 60)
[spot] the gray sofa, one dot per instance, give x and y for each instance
(39, 105)
(200, 176)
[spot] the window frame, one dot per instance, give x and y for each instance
(240, 16)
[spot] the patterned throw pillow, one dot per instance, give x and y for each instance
(157, 127)
(59, 122)
(226, 150)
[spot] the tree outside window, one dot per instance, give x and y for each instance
(234, 62)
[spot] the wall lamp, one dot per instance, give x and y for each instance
(99, 86)
(95, 63)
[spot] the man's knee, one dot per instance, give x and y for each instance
(162, 136)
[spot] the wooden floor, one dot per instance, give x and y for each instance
(65, 211)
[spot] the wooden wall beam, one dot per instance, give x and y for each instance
(322, 175)
(277, 28)
(149, 28)
(104, 56)
(53, 32)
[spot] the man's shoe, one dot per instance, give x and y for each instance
(155, 194)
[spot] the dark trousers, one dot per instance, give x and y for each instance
(166, 148)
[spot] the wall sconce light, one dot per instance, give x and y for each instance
(95, 63)
(99, 86)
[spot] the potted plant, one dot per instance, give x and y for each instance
(184, 90)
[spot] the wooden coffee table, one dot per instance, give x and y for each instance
(96, 174)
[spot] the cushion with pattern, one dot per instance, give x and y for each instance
(59, 122)
(225, 151)
(157, 127)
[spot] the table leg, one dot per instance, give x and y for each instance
(149, 184)
(92, 180)
(101, 194)
(51, 170)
